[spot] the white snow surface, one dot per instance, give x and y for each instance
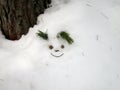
(92, 62)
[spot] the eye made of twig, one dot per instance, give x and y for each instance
(51, 47)
(62, 46)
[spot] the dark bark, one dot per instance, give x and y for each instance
(17, 16)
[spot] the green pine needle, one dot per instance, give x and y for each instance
(65, 36)
(43, 35)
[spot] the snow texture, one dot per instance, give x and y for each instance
(92, 62)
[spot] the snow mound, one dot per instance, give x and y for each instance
(90, 63)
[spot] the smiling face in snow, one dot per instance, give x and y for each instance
(55, 47)
(56, 52)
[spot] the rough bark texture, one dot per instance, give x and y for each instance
(16, 16)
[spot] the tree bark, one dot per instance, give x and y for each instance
(17, 16)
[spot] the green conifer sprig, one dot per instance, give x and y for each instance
(64, 35)
(42, 35)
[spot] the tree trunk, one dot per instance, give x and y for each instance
(17, 16)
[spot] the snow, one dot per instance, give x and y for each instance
(92, 62)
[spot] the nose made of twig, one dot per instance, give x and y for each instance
(57, 50)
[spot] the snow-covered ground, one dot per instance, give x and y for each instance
(92, 62)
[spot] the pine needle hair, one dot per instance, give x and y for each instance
(64, 35)
(42, 35)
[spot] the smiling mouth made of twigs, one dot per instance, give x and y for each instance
(57, 55)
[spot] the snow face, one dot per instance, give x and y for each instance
(56, 49)
(92, 62)
(56, 44)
